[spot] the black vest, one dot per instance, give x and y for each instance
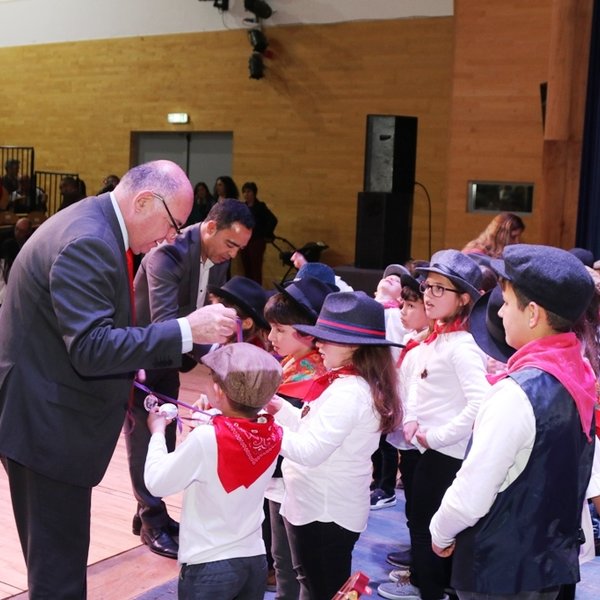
(530, 538)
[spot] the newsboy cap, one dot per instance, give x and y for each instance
(246, 373)
(551, 277)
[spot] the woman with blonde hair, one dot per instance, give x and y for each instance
(504, 229)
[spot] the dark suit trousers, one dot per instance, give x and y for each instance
(151, 509)
(53, 521)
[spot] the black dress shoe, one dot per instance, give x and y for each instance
(136, 524)
(173, 527)
(159, 541)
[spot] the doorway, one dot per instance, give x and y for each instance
(203, 156)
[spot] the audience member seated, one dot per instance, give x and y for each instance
(22, 199)
(504, 229)
(10, 180)
(71, 191)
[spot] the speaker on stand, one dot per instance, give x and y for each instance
(384, 211)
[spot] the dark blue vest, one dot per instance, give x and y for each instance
(530, 538)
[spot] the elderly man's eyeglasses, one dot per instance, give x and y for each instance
(174, 224)
(437, 291)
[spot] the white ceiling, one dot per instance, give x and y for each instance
(26, 22)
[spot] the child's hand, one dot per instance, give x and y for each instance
(274, 405)
(410, 428)
(157, 422)
(202, 403)
(422, 438)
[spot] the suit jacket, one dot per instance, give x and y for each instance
(166, 283)
(68, 352)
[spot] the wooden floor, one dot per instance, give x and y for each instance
(119, 567)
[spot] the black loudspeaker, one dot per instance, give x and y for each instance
(391, 154)
(383, 228)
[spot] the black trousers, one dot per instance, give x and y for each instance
(53, 522)
(151, 509)
(433, 475)
(323, 552)
(385, 467)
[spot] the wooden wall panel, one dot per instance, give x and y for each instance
(500, 60)
(299, 133)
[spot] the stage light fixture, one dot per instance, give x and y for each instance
(259, 7)
(258, 40)
(256, 66)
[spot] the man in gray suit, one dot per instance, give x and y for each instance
(171, 282)
(68, 356)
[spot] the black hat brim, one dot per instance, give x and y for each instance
(338, 337)
(492, 344)
(233, 299)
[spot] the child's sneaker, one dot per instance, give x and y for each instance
(401, 590)
(399, 575)
(379, 499)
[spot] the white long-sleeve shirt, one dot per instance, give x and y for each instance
(447, 391)
(327, 467)
(215, 525)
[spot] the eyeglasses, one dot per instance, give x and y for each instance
(437, 291)
(174, 225)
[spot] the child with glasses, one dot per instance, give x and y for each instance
(448, 389)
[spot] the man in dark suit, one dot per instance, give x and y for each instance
(171, 282)
(68, 356)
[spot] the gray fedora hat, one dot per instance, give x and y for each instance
(350, 318)
(461, 270)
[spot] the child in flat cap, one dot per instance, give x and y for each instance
(512, 516)
(223, 468)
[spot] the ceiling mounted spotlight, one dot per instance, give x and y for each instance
(256, 66)
(258, 40)
(259, 7)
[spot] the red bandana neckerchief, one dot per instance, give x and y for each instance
(320, 384)
(391, 304)
(560, 356)
(299, 374)
(245, 449)
(440, 328)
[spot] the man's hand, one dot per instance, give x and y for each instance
(443, 552)
(212, 324)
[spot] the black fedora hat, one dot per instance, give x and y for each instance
(461, 270)
(487, 327)
(247, 294)
(350, 318)
(307, 294)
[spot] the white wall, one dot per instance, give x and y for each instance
(26, 22)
